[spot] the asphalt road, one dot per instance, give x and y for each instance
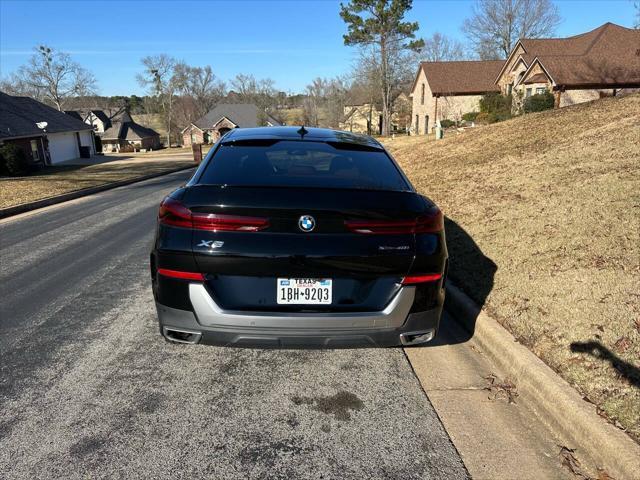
(88, 387)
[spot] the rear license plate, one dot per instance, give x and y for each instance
(309, 291)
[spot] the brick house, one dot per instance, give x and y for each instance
(576, 69)
(448, 90)
(223, 118)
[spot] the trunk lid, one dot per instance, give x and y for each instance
(242, 267)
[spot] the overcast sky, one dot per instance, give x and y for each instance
(289, 41)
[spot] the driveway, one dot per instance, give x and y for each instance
(89, 388)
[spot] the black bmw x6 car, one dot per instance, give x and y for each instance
(295, 237)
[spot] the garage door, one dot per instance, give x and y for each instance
(63, 146)
(86, 139)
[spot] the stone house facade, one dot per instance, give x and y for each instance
(585, 67)
(448, 90)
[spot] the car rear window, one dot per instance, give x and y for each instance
(303, 164)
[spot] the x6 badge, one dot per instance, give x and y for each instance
(210, 243)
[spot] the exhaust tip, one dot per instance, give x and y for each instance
(178, 335)
(416, 338)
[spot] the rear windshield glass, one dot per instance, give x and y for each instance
(302, 164)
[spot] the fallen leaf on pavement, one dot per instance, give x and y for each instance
(501, 389)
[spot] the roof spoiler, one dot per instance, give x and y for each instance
(268, 142)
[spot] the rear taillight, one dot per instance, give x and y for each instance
(428, 223)
(199, 277)
(229, 223)
(174, 213)
(424, 278)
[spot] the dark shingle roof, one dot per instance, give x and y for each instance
(128, 130)
(19, 115)
(102, 116)
(461, 77)
(242, 114)
(74, 113)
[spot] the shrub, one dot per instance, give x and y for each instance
(538, 102)
(470, 116)
(496, 106)
(484, 118)
(14, 160)
(447, 123)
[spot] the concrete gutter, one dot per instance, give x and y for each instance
(556, 404)
(65, 197)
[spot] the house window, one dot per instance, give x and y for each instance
(528, 92)
(509, 89)
(422, 95)
(34, 151)
(540, 90)
(417, 124)
(426, 124)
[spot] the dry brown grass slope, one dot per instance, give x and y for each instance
(544, 230)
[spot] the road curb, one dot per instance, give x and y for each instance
(65, 197)
(555, 402)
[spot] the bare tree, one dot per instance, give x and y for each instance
(367, 81)
(324, 102)
(244, 85)
(377, 27)
(261, 92)
(336, 93)
(496, 25)
(636, 23)
(52, 77)
(315, 95)
(160, 79)
(440, 48)
(200, 89)
(249, 89)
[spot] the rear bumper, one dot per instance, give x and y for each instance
(209, 324)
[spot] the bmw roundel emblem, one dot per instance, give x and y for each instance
(307, 223)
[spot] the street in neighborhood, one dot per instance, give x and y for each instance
(90, 389)
(456, 181)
